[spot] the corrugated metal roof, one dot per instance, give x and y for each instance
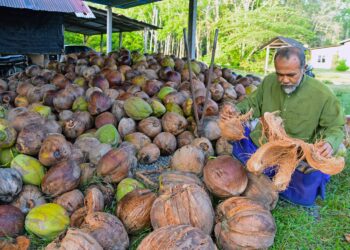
(98, 26)
(123, 4)
(67, 6)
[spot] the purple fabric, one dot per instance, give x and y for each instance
(303, 188)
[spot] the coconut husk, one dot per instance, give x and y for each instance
(231, 123)
(285, 153)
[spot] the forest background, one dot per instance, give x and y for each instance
(243, 27)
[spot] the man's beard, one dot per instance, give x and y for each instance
(288, 89)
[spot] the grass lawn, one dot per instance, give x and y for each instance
(298, 229)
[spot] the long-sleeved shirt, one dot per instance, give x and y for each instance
(312, 112)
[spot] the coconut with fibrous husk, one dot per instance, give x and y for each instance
(107, 229)
(189, 158)
(71, 201)
(28, 198)
(20, 243)
(30, 138)
(115, 165)
(171, 178)
(20, 117)
(105, 118)
(177, 237)
(185, 138)
(212, 107)
(98, 103)
(134, 210)
(77, 218)
(261, 188)
(61, 178)
(183, 204)
(166, 142)
(88, 171)
(148, 154)
(225, 176)
(75, 239)
(98, 152)
(173, 123)
(223, 147)
(54, 149)
(99, 81)
(211, 128)
(244, 224)
(152, 87)
(139, 140)
(11, 221)
(94, 200)
(79, 122)
(205, 145)
(10, 184)
(150, 126)
(126, 126)
(176, 97)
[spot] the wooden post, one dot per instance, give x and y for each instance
(85, 39)
(120, 39)
(192, 28)
(109, 28)
(267, 59)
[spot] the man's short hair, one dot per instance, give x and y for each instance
(287, 52)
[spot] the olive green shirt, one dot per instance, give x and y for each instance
(312, 112)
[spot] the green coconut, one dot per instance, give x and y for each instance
(30, 168)
(7, 155)
(137, 109)
(47, 221)
(250, 89)
(80, 104)
(8, 134)
(173, 107)
(158, 108)
(3, 111)
(167, 61)
(126, 186)
(108, 134)
(187, 107)
(42, 110)
(194, 66)
(163, 92)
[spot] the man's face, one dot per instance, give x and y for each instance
(289, 73)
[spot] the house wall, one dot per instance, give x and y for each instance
(324, 58)
(344, 52)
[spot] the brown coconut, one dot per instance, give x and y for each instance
(75, 239)
(126, 126)
(225, 176)
(28, 198)
(11, 221)
(169, 179)
(88, 171)
(166, 142)
(244, 224)
(205, 145)
(71, 200)
(223, 147)
(105, 118)
(150, 126)
(54, 149)
(177, 237)
(139, 140)
(77, 218)
(148, 154)
(116, 164)
(183, 205)
(188, 159)
(261, 188)
(185, 138)
(94, 200)
(134, 210)
(107, 229)
(174, 123)
(61, 178)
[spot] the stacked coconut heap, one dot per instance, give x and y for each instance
(71, 137)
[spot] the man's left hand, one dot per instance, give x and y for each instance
(325, 149)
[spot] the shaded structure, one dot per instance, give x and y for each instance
(279, 42)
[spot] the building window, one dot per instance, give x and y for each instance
(323, 59)
(319, 58)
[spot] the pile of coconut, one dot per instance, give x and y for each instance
(71, 138)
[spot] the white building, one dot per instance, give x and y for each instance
(327, 57)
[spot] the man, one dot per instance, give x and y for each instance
(310, 112)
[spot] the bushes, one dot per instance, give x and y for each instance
(342, 66)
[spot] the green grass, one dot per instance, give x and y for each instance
(298, 229)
